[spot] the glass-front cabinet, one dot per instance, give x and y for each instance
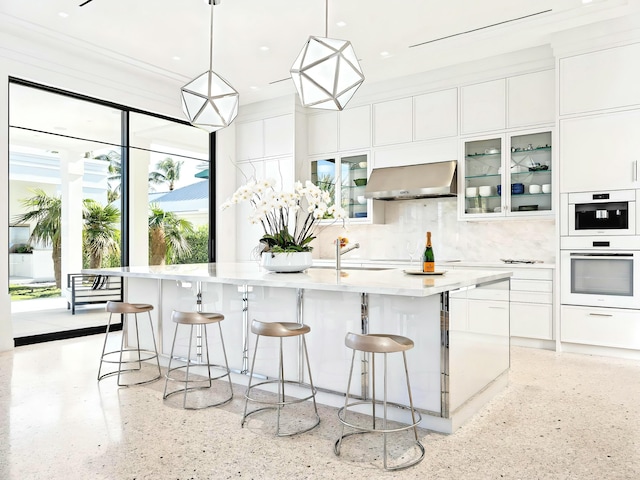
(345, 178)
(506, 175)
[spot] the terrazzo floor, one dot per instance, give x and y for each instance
(562, 416)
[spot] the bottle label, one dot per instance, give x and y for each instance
(428, 267)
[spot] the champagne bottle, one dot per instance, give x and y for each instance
(428, 260)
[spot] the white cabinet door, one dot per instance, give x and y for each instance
(531, 99)
(355, 128)
(435, 115)
(416, 153)
(322, 133)
(483, 107)
(600, 152)
(247, 234)
(282, 170)
(605, 79)
(605, 327)
(249, 140)
(278, 136)
(393, 122)
(532, 320)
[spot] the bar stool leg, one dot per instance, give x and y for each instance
(280, 388)
(166, 379)
(104, 345)
(306, 356)
(413, 412)
(246, 400)
(155, 346)
(338, 444)
(226, 362)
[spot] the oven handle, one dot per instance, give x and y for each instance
(602, 255)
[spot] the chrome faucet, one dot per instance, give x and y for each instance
(341, 251)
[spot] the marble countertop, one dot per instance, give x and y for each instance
(384, 282)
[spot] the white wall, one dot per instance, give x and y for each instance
(407, 221)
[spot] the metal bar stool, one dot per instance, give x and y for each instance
(379, 343)
(124, 358)
(199, 320)
(280, 330)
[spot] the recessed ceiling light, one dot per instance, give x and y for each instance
(253, 87)
(63, 14)
(264, 48)
(341, 23)
(175, 57)
(384, 54)
(586, 1)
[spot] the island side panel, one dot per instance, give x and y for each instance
(274, 304)
(417, 318)
(331, 315)
(145, 290)
(478, 340)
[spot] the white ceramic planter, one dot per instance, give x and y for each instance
(286, 262)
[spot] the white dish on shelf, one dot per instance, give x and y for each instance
(361, 199)
(485, 190)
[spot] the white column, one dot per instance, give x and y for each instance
(139, 207)
(71, 174)
(6, 327)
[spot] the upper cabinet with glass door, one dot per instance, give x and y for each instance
(345, 178)
(521, 162)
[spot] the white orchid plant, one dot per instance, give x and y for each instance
(280, 212)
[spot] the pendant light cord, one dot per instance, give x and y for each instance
(211, 37)
(326, 19)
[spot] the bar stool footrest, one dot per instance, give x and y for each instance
(405, 426)
(145, 355)
(283, 403)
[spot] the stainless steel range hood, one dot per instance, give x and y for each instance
(413, 181)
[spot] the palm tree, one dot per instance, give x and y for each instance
(167, 235)
(169, 172)
(100, 231)
(114, 179)
(46, 212)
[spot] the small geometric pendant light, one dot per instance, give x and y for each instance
(209, 101)
(326, 73)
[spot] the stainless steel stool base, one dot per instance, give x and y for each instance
(209, 381)
(199, 320)
(145, 355)
(280, 330)
(277, 405)
(360, 430)
(380, 344)
(141, 355)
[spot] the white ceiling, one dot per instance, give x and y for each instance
(151, 34)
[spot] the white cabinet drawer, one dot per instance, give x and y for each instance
(531, 321)
(531, 285)
(488, 317)
(531, 297)
(606, 327)
(533, 274)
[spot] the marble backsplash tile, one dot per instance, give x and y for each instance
(407, 221)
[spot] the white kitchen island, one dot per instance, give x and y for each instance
(459, 322)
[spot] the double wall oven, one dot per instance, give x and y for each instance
(600, 252)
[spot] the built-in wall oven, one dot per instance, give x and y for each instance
(602, 213)
(600, 271)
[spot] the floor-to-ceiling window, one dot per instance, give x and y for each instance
(85, 177)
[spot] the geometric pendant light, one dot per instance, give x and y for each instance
(326, 73)
(209, 101)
